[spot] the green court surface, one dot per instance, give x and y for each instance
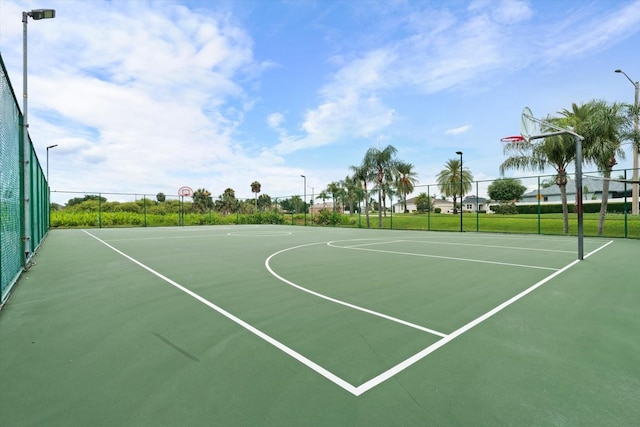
(306, 326)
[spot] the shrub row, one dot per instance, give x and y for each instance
(64, 219)
(612, 207)
(326, 217)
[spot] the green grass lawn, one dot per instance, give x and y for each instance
(615, 224)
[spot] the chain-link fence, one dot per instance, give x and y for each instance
(537, 209)
(24, 212)
(104, 209)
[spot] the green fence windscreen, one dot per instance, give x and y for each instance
(12, 193)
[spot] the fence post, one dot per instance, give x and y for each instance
(391, 220)
(538, 196)
(625, 204)
(477, 208)
(429, 210)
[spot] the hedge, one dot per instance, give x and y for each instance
(612, 207)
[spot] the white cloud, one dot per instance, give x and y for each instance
(351, 107)
(508, 12)
(159, 96)
(274, 120)
(570, 39)
(448, 52)
(369, 72)
(351, 116)
(353, 103)
(458, 130)
(139, 96)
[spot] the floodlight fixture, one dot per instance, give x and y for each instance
(37, 14)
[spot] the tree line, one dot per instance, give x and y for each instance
(605, 127)
(381, 176)
(201, 202)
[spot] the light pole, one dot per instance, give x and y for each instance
(460, 154)
(636, 142)
(36, 15)
(304, 201)
(48, 148)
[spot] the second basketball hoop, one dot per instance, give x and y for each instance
(185, 191)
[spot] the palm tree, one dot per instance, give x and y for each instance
(323, 196)
(405, 180)
(603, 129)
(388, 187)
(297, 204)
(360, 175)
(334, 189)
(264, 202)
(633, 134)
(227, 201)
(449, 181)
(380, 165)
(255, 189)
(202, 201)
(352, 190)
(555, 151)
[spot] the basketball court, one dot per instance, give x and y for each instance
(283, 325)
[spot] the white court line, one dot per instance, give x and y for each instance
(505, 236)
(518, 248)
(433, 347)
(377, 242)
(307, 362)
(368, 385)
(166, 238)
(357, 248)
(437, 242)
(337, 301)
(263, 234)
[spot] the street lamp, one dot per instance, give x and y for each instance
(49, 147)
(304, 201)
(460, 154)
(636, 142)
(36, 15)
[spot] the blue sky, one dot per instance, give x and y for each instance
(148, 96)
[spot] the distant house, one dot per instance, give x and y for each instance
(444, 205)
(322, 206)
(591, 190)
(411, 205)
(475, 204)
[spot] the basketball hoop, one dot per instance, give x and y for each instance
(185, 191)
(513, 139)
(530, 130)
(529, 125)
